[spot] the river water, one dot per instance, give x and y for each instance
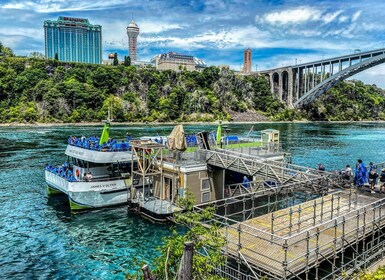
(40, 239)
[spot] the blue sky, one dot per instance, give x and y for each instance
(279, 32)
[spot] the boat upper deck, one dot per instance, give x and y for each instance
(89, 149)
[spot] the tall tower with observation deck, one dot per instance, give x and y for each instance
(132, 33)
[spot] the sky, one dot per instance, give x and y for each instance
(279, 32)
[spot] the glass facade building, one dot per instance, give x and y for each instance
(73, 40)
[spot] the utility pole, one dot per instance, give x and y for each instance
(185, 269)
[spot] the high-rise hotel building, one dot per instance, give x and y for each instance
(73, 40)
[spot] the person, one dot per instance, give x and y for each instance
(347, 173)
(382, 180)
(321, 167)
(362, 179)
(245, 182)
(373, 179)
(372, 166)
(357, 174)
(88, 177)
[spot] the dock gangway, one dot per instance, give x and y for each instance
(264, 170)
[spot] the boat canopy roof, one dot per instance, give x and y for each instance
(97, 156)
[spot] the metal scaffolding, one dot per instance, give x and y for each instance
(146, 163)
(287, 233)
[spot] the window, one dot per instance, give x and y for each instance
(206, 196)
(205, 184)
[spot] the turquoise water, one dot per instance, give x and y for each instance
(40, 239)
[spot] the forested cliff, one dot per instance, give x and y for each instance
(38, 90)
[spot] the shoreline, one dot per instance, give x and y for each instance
(173, 123)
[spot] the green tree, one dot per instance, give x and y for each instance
(208, 242)
(364, 275)
(115, 104)
(36, 55)
(116, 61)
(5, 51)
(56, 57)
(127, 61)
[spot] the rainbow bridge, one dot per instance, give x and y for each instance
(300, 84)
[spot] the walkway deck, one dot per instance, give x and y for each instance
(288, 242)
(269, 170)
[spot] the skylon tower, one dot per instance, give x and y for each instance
(132, 33)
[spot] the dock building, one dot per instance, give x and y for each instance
(73, 40)
(284, 222)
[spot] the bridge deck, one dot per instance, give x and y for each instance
(291, 240)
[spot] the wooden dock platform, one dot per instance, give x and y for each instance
(288, 242)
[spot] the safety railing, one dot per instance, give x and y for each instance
(295, 240)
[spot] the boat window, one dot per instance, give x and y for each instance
(93, 164)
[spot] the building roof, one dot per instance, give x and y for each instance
(72, 22)
(133, 24)
(199, 63)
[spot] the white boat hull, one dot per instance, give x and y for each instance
(94, 194)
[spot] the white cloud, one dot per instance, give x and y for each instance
(356, 15)
(53, 6)
(157, 27)
(304, 15)
(248, 36)
(28, 32)
(293, 16)
(343, 19)
(115, 36)
(328, 18)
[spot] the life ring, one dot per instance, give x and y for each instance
(77, 172)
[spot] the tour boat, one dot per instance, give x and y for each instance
(97, 173)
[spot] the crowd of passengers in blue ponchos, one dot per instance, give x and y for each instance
(63, 171)
(92, 143)
(365, 175)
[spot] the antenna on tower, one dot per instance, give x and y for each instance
(132, 15)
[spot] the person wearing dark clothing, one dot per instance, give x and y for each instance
(321, 167)
(382, 180)
(373, 179)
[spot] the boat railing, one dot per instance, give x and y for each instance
(63, 171)
(71, 178)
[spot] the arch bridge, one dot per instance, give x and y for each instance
(300, 84)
